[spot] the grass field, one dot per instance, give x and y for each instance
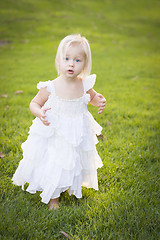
(125, 41)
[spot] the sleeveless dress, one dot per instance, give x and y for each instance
(63, 155)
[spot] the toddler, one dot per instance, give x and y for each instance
(60, 152)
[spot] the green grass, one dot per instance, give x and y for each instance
(125, 42)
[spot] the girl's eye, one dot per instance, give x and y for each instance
(77, 60)
(66, 58)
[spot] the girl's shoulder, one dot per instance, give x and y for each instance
(89, 82)
(54, 81)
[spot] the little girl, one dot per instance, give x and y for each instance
(60, 152)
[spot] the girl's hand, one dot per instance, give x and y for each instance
(97, 100)
(43, 116)
(101, 103)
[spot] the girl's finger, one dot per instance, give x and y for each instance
(100, 112)
(100, 109)
(103, 101)
(102, 105)
(46, 109)
(42, 117)
(46, 123)
(45, 120)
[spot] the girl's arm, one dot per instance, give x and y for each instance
(37, 103)
(97, 100)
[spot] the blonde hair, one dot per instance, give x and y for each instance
(63, 46)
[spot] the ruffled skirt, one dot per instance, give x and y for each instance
(60, 157)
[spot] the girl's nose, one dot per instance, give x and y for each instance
(71, 62)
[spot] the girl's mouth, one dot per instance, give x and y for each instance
(70, 71)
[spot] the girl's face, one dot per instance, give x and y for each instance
(73, 62)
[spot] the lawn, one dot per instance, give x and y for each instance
(125, 41)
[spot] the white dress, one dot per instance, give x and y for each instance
(62, 155)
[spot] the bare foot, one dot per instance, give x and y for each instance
(53, 204)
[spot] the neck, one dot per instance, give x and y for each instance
(68, 79)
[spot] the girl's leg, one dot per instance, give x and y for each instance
(54, 203)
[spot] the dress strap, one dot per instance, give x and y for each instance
(89, 82)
